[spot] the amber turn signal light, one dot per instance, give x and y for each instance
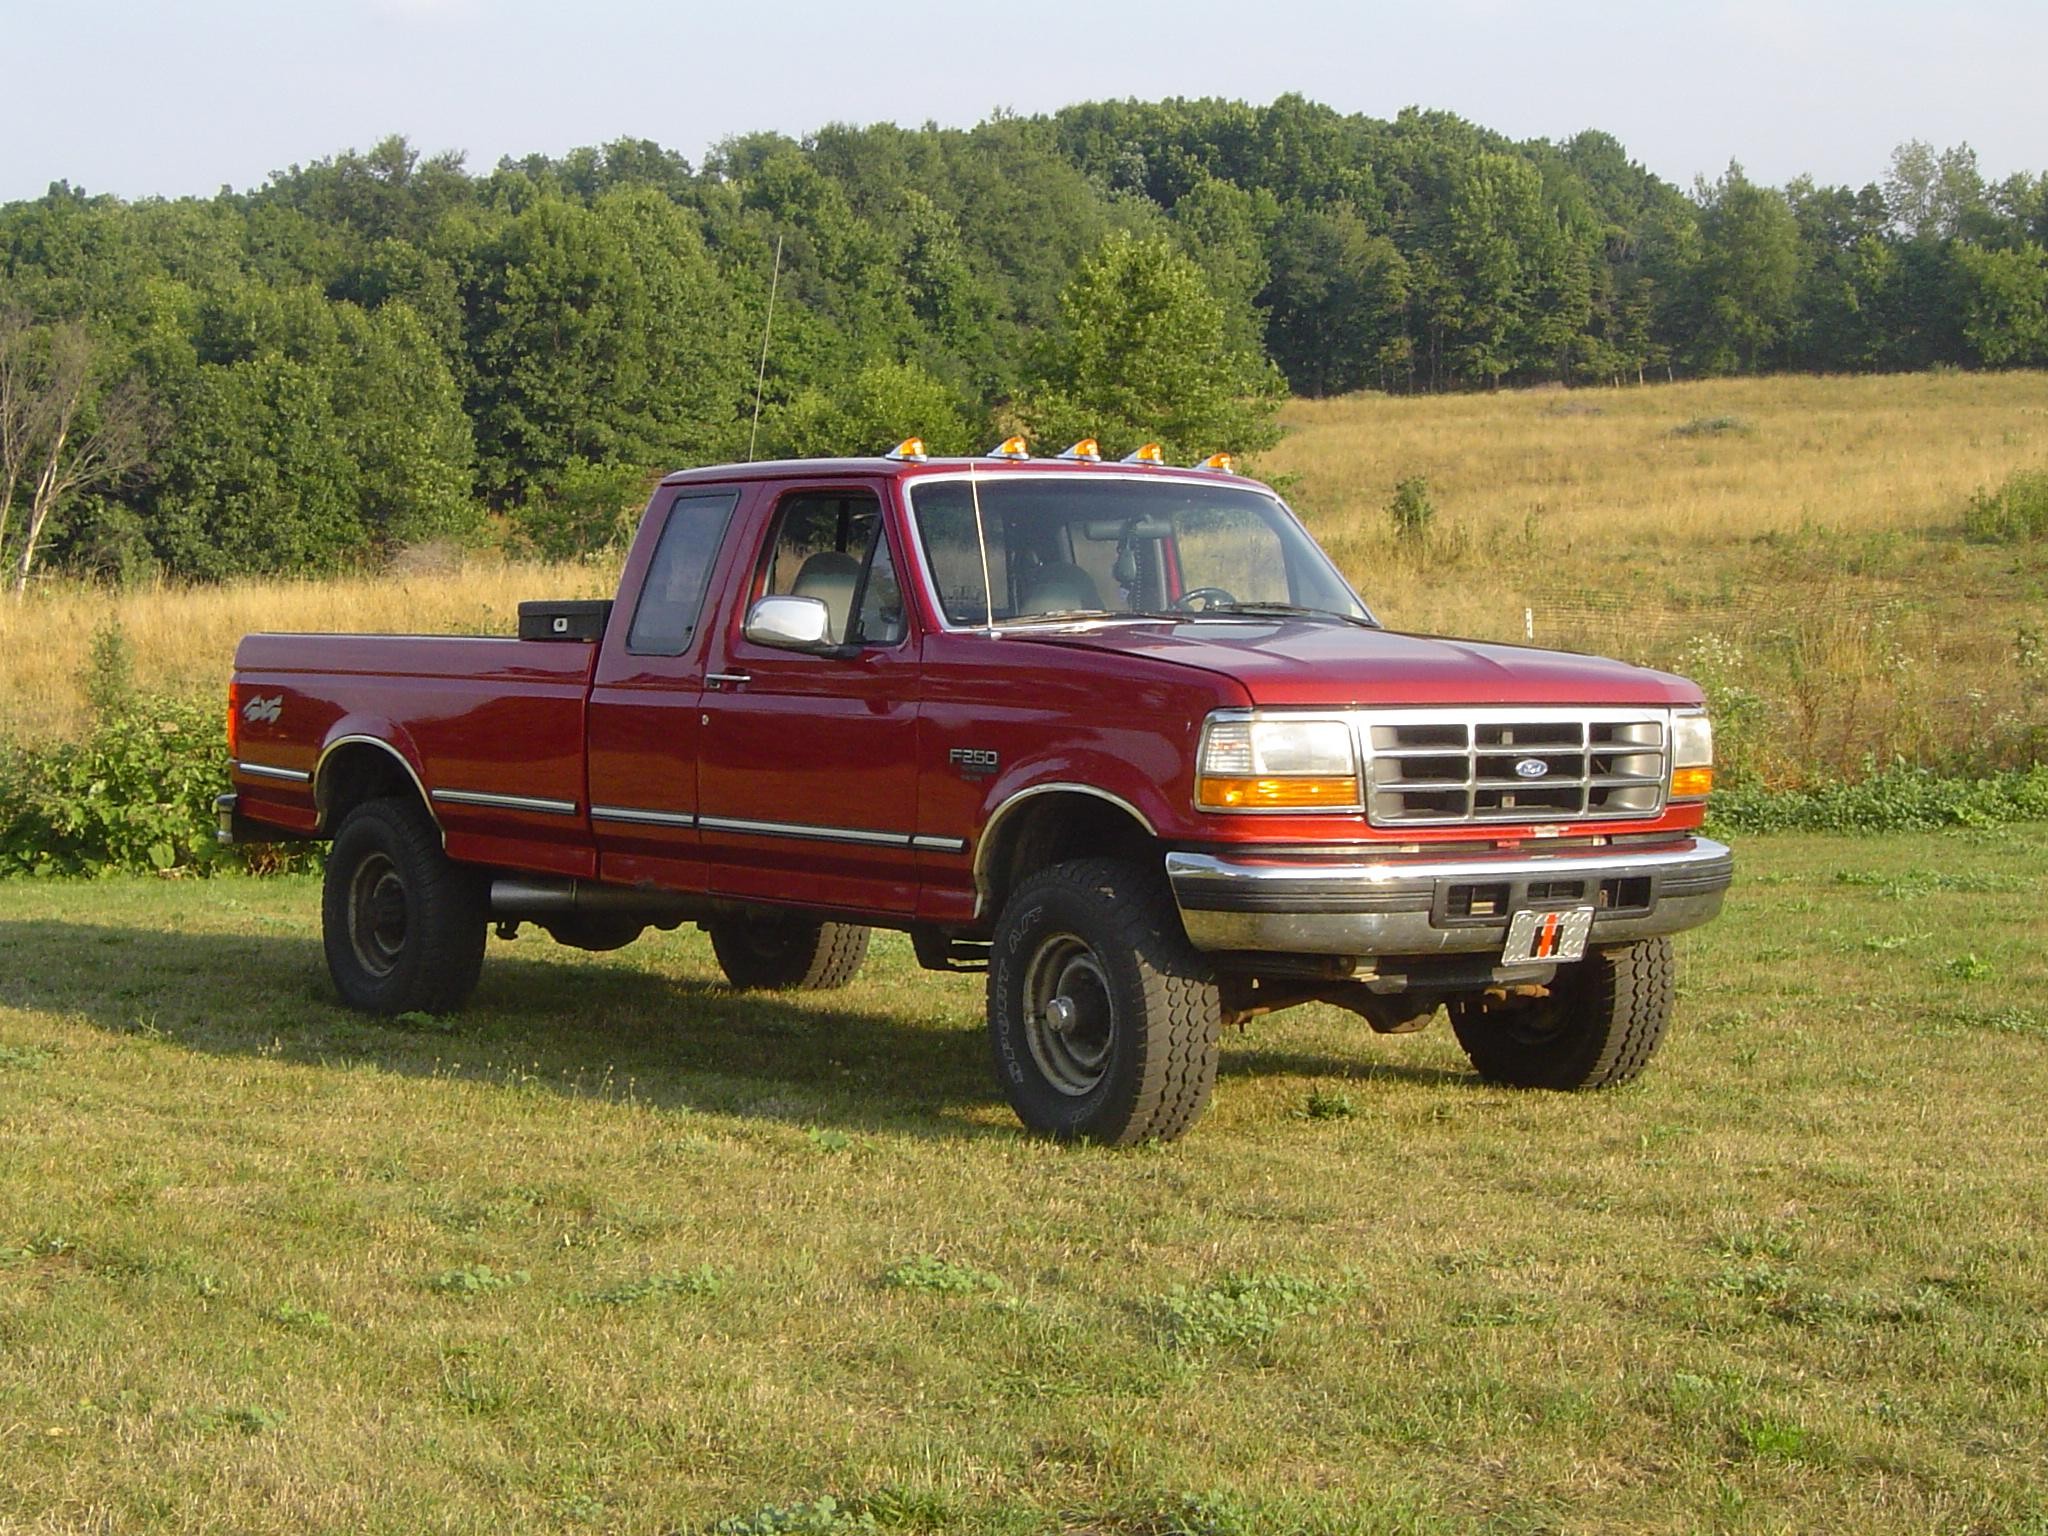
(1276, 794)
(1691, 783)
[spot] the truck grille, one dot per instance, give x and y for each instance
(1435, 766)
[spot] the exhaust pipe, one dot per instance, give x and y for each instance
(531, 898)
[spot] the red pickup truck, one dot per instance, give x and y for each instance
(1119, 734)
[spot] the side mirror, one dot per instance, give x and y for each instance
(790, 624)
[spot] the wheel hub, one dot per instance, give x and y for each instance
(378, 915)
(1069, 1020)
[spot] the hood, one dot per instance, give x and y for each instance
(1291, 662)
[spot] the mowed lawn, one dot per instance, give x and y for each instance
(622, 1250)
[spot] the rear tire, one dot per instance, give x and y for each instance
(1102, 1017)
(787, 954)
(402, 924)
(1598, 1028)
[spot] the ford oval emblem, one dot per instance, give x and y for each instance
(1531, 768)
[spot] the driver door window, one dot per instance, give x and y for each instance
(829, 545)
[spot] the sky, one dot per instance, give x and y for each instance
(174, 97)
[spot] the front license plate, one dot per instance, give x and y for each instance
(1548, 935)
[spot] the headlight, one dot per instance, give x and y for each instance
(1692, 756)
(1275, 763)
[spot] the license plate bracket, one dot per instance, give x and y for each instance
(1545, 936)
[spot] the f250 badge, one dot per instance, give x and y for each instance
(974, 762)
(262, 711)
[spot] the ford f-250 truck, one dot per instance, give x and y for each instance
(1119, 734)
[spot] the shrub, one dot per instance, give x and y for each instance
(1713, 426)
(137, 794)
(1901, 799)
(2015, 513)
(109, 672)
(1411, 511)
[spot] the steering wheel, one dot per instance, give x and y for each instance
(1202, 599)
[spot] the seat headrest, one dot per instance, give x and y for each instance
(830, 576)
(1058, 588)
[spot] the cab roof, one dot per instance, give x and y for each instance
(993, 468)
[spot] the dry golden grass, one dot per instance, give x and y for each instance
(183, 638)
(1614, 467)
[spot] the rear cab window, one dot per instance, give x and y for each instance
(672, 597)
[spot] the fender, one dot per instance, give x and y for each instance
(1146, 806)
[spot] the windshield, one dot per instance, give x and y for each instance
(1068, 545)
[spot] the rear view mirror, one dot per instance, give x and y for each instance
(790, 624)
(1102, 530)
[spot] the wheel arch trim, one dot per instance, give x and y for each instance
(322, 785)
(992, 828)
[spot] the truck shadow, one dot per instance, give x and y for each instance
(598, 1029)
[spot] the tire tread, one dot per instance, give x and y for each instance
(1175, 1068)
(1617, 1016)
(450, 908)
(822, 956)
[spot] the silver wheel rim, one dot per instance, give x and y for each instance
(378, 915)
(1069, 1019)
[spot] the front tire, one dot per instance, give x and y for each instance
(1598, 1028)
(402, 924)
(1103, 1018)
(787, 954)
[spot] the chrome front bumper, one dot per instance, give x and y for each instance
(1416, 906)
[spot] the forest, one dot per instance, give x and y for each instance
(380, 349)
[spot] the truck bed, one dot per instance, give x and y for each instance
(492, 730)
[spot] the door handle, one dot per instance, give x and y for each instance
(720, 679)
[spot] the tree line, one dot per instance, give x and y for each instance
(381, 348)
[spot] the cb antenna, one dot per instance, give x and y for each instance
(767, 326)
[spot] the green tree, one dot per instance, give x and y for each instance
(401, 420)
(1143, 353)
(258, 476)
(1223, 228)
(1747, 275)
(1338, 299)
(603, 334)
(879, 406)
(2005, 307)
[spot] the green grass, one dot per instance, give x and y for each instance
(621, 1250)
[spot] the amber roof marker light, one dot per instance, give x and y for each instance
(909, 451)
(1151, 453)
(1088, 451)
(1222, 463)
(1011, 448)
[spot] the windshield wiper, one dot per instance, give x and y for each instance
(1281, 611)
(1061, 616)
